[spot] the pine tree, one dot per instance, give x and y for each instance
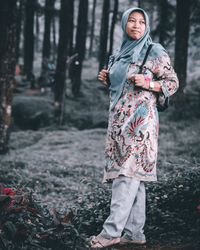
(114, 18)
(8, 19)
(182, 35)
(29, 40)
(80, 47)
(61, 65)
(104, 34)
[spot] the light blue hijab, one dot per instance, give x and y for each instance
(129, 52)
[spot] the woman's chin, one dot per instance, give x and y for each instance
(135, 37)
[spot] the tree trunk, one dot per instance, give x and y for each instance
(37, 27)
(60, 74)
(49, 10)
(29, 39)
(104, 34)
(54, 37)
(114, 18)
(80, 46)
(46, 48)
(163, 23)
(92, 27)
(71, 27)
(8, 12)
(139, 3)
(19, 27)
(181, 47)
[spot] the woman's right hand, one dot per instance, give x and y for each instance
(102, 76)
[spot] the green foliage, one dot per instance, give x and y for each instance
(172, 216)
(172, 209)
(92, 211)
(25, 224)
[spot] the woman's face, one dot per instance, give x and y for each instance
(135, 27)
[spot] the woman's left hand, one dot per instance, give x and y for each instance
(140, 81)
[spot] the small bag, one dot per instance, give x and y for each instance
(162, 101)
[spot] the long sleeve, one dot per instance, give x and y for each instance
(165, 75)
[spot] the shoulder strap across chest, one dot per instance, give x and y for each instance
(145, 57)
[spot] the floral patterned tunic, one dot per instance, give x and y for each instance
(132, 136)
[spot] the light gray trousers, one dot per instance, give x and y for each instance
(127, 210)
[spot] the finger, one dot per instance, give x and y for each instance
(137, 78)
(137, 83)
(103, 79)
(104, 71)
(105, 83)
(102, 74)
(99, 76)
(131, 77)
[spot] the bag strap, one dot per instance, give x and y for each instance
(145, 58)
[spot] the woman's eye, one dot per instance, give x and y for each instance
(134, 21)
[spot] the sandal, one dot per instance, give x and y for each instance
(124, 241)
(101, 242)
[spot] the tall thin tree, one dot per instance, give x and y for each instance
(80, 46)
(92, 27)
(181, 46)
(54, 37)
(114, 18)
(60, 74)
(37, 26)
(7, 68)
(71, 27)
(29, 38)
(104, 34)
(20, 12)
(46, 47)
(163, 24)
(140, 3)
(49, 11)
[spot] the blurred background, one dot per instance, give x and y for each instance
(55, 49)
(54, 112)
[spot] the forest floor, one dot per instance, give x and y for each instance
(62, 165)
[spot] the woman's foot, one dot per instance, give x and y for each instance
(101, 242)
(124, 241)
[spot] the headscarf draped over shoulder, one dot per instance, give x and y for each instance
(129, 52)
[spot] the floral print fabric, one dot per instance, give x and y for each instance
(132, 136)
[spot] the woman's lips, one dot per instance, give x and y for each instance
(135, 31)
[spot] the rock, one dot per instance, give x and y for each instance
(30, 112)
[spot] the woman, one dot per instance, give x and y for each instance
(132, 136)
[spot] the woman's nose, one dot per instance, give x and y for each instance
(136, 24)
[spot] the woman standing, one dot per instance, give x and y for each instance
(132, 136)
